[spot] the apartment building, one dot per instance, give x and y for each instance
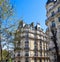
(32, 44)
(53, 20)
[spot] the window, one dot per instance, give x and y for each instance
(26, 45)
(35, 60)
(26, 54)
(58, 9)
(40, 48)
(18, 54)
(26, 41)
(53, 13)
(36, 53)
(53, 24)
(40, 60)
(18, 61)
(40, 53)
(59, 19)
(26, 60)
(35, 43)
(40, 45)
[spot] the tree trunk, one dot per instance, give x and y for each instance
(0, 39)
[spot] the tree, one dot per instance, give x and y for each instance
(5, 55)
(6, 11)
(18, 32)
(54, 39)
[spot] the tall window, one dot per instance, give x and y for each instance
(53, 13)
(26, 60)
(40, 48)
(26, 46)
(36, 53)
(18, 61)
(59, 19)
(40, 60)
(26, 41)
(18, 54)
(53, 24)
(26, 53)
(35, 60)
(58, 9)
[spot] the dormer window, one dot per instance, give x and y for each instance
(49, 1)
(37, 26)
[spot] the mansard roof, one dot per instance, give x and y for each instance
(49, 1)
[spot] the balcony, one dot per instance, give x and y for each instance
(26, 42)
(56, 14)
(36, 54)
(54, 6)
(24, 34)
(49, 18)
(27, 48)
(17, 48)
(18, 57)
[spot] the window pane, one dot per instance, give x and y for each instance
(58, 9)
(53, 13)
(53, 24)
(59, 19)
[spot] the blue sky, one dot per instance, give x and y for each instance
(31, 11)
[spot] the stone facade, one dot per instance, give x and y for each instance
(32, 46)
(53, 19)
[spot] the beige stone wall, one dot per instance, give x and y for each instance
(31, 39)
(54, 8)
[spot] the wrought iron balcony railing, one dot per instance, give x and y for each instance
(54, 6)
(52, 17)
